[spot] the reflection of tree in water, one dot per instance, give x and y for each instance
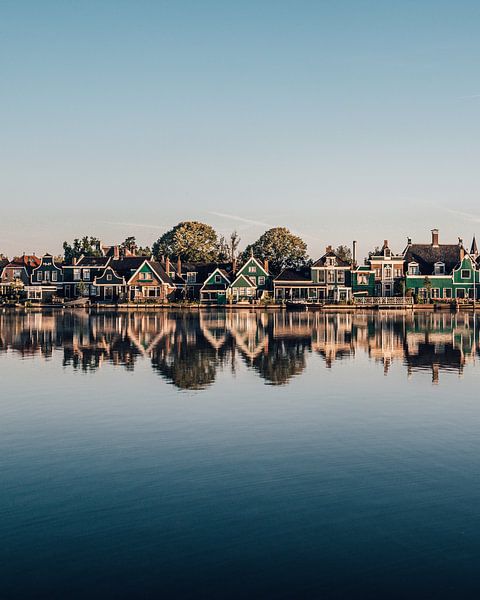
(185, 358)
(285, 359)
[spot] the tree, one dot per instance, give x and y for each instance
(189, 240)
(228, 250)
(281, 248)
(130, 244)
(86, 246)
(344, 253)
(377, 251)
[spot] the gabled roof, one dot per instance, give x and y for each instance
(257, 262)
(128, 265)
(302, 275)
(116, 280)
(322, 261)
(426, 255)
(160, 271)
(204, 270)
(214, 285)
(247, 281)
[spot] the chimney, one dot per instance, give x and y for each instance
(409, 241)
(179, 265)
(116, 252)
(354, 253)
(167, 265)
(74, 260)
(435, 237)
(385, 243)
(328, 249)
(265, 264)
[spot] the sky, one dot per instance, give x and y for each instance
(339, 120)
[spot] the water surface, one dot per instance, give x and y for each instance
(235, 455)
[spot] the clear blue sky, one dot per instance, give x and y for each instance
(338, 119)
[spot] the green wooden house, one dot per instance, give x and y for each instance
(214, 289)
(252, 282)
(363, 281)
(441, 271)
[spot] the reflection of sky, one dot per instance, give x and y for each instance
(114, 481)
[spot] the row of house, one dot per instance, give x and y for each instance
(432, 270)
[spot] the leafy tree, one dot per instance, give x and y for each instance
(280, 247)
(130, 244)
(344, 253)
(86, 246)
(375, 252)
(189, 240)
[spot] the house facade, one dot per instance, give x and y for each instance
(251, 282)
(363, 281)
(327, 280)
(389, 271)
(16, 274)
(46, 280)
(441, 271)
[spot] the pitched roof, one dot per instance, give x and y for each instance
(474, 247)
(303, 275)
(160, 271)
(426, 255)
(92, 261)
(29, 261)
(246, 279)
(321, 262)
(127, 265)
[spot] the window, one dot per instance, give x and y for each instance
(435, 292)
(47, 275)
(261, 281)
(447, 293)
(321, 276)
(341, 276)
(398, 271)
(378, 272)
(109, 277)
(465, 274)
(413, 268)
(252, 269)
(330, 276)
(54, 276)
(387, 272)
(94, 290)
(147, 276)
(76, 274)
(362, 279)
(39, 276)
(86, 274)
(191, 277)
(439, 268)
(330, 261)
(249, 291)
(242, 291)
(218, 279)
(387, 253)
(460, 293)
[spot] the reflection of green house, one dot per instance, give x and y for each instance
(363, 281)
(441, 271)
(252, 281)
(215, 287)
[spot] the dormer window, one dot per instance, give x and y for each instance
(439, 268)
(387, 253)
(413, 268)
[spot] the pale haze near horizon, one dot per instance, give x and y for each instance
(339, 120)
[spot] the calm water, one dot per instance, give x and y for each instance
(213, 455)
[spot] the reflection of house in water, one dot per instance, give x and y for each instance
(188, 348)
(332, 336)
(440, 342)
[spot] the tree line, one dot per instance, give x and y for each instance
(192, 241)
